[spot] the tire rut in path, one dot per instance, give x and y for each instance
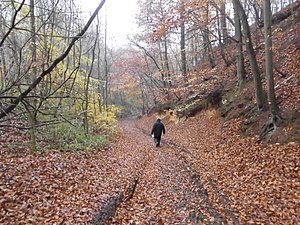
(169, 190)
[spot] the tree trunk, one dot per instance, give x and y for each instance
(182, 43)
(99, 77)
(221, 38)
(223, 23)
(32, 112)
(106, 68)
(258, 22)
(260, 96)
(240, 66)
(194, 49)
(166, 60)
(206, 40)
(208, 48)
(86, 91)
(162, 70)
(2, 55)
(269, 57)
(143, 96)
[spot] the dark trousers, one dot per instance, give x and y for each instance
(157, 141)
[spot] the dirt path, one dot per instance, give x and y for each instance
(169, 191)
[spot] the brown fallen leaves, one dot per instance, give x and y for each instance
(261, 184)
(62, 188)
(214, 173)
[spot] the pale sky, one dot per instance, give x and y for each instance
(120, 18)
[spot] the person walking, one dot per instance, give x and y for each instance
(157, 130)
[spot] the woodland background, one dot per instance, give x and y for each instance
(60, 80)
(63, 90)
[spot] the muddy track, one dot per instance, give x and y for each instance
(169, 190)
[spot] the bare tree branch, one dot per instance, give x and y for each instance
(23, 95)
(12, 23)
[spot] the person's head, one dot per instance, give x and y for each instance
(158, 120)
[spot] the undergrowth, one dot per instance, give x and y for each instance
(67, 137)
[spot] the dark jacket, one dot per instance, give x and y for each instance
(158, 129)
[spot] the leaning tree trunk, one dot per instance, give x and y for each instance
(260, 96)
(269, 57)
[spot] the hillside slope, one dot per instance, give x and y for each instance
(217, 87)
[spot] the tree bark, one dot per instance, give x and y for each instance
(166, 61)
(269, 57)
(106, 68)
(182, 43)
(223, 23)
(206, 40)
(87, 84)
(240, 66)
(2, 56)
(260, 96)
(222, 38)
(162, 65)
(32, 112)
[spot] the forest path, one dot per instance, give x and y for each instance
(169, 190)
(203, 170)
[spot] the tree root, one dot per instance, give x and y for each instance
(269, 127)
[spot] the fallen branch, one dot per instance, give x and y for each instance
(109, 208)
